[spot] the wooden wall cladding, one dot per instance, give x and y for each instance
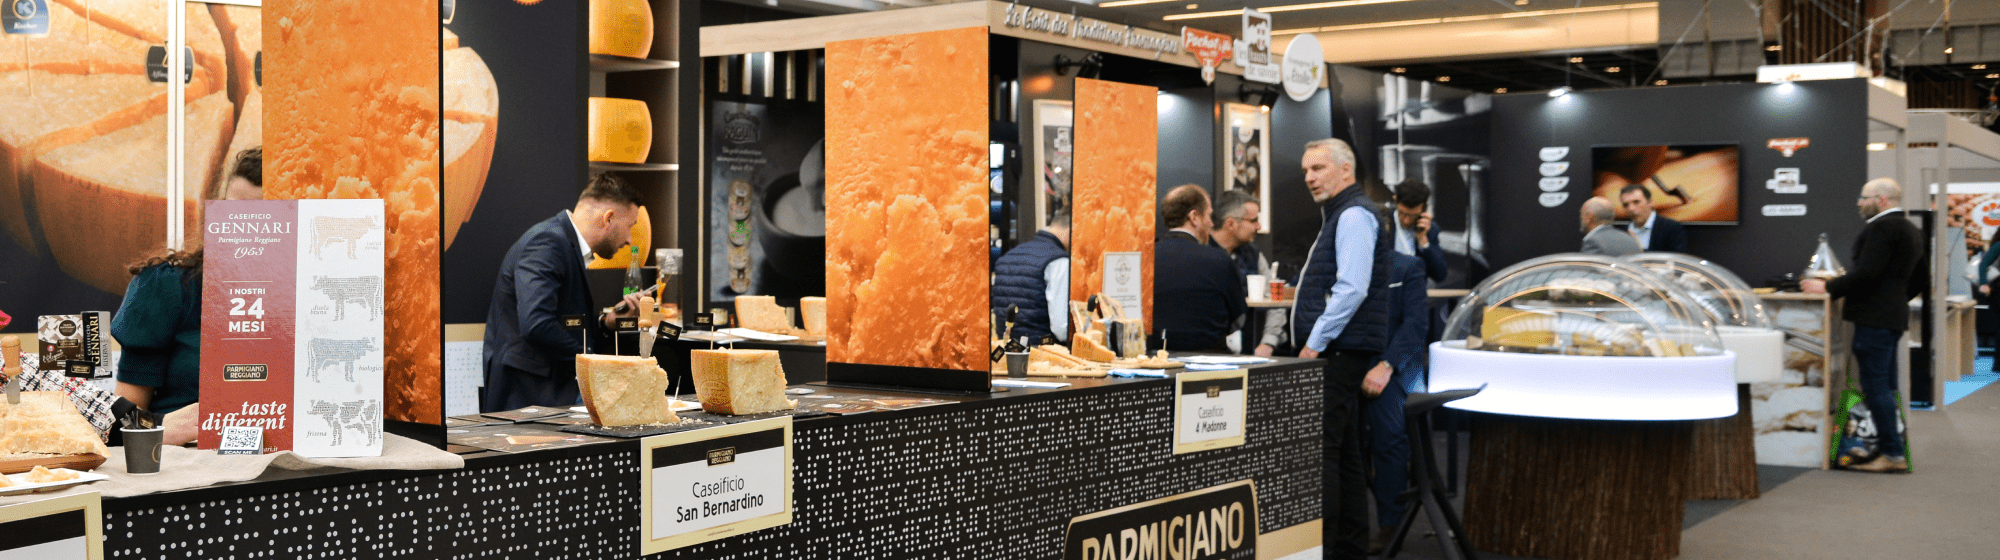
(1117, 134)
(906, 255)
(351, 94)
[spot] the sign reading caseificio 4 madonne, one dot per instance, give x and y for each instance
(1209, 409)
(1218, 523)
(65, 528)
(708, 484)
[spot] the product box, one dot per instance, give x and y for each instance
(82, 340)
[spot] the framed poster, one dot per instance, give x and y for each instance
(1247, 149)
(1052, 158)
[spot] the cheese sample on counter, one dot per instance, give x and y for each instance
(1090, 346)
(46, 422)
(740, 381)
(624, 390)
(812, 312)
(621, 130)
(761, 313)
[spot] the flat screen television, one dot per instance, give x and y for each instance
(1691, 183)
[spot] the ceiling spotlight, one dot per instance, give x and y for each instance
(1499, 90)
(1878, 146)
(1398, 70)
(1193, 6)
(1660, 82)
(1947, 50)
(1559, 92)
(1992, 76)
(1773, 48)
(1576, 60)
(1520, 2)
(1978, 67)
(1444, 78)
(1613, 69)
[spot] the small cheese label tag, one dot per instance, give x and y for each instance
(702, 322)
(668, 332)
(627, 323)
(573, 322)
(25, 17)
(241, 440)
(80, 368)
(998, 352)
(156, 64)
(245, 372)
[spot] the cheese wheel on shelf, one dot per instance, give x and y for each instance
(624, 390)
(621, 28)
(739, 382)
(621, 130)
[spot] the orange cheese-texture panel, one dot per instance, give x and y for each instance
(109, 194)
(471, 128)
(351, 94)
(242, 29)
(1115, 176)
(906, 257)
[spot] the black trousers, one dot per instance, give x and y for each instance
(1344, 486)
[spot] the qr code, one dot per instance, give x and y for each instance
(242, 439)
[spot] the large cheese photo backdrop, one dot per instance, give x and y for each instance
(906, 257)
(1117, 155)
(84, 145)
(352, 96)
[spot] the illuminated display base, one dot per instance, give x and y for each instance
(1587, 387)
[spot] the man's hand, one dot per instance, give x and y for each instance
(1423, 231)
(182, 425)
(1812, 286)
(1985, 290)
(1308, 353)
(631, 310)
(1378, 377)
(1265, 350)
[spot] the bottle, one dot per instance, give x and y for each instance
(634, 279)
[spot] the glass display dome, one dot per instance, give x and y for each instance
(1585, 337)
(1728, 300)
(1583, 305)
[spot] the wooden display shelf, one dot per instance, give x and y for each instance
(614, 63)
(615, 166)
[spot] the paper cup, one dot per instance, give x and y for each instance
(142, 450)
(1017, 365)
(1259, 288)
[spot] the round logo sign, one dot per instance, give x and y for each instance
(26, 9)
(1305, 66)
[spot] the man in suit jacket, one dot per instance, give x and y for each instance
(1198, 299)
(530, 354)
(1599, 238)
(1414, 235)
(1889, 269)
(1654, 232)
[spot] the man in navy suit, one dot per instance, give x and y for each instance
(1414, 235)
(530, 353)
(1655, 232)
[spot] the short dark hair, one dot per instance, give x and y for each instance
(1059, 219)
(1181, 201)
(606, 187)
(1413, 193)
(1230, 204)
(1632, 188)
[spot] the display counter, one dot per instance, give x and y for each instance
(1002, 475)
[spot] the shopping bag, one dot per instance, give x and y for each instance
(1854, 435)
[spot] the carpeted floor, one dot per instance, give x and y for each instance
(1947, 509)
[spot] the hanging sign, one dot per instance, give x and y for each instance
(25, 17)
(1253, 53)
(1209, 48)
(1209, 409)
(702, 485)
(1305, 66)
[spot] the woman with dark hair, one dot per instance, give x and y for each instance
(159, 323)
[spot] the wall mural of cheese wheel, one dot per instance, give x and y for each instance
(352, 95)
(84, 187)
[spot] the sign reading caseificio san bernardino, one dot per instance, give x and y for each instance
(702, 485)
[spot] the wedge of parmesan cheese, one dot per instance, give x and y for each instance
(812, 312)
(1090, 346)
(740, 381)
(46, 422)
(624, 390)
(761, 313)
